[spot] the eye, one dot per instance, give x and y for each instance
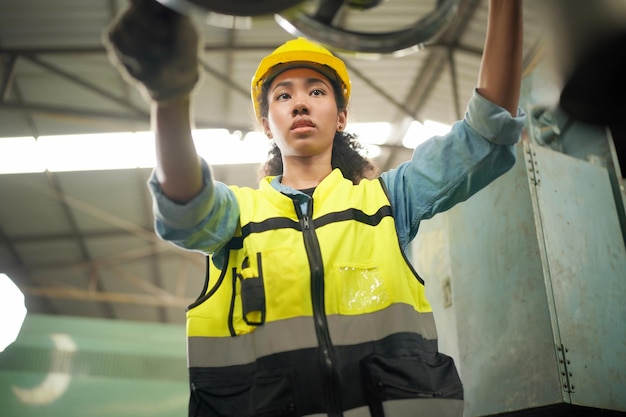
(318, 92)
(282, 96)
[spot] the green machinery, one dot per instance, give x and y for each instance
(75, 367)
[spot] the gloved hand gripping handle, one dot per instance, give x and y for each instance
(155, 48)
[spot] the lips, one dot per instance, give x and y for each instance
(302, 123)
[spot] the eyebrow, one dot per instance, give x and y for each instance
(309, 81)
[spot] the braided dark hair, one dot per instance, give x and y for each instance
(347, 150)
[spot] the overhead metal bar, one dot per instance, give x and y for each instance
(86, 84)
(46, 109)
(99, 49)
(106, 297)
(126, 256)
(458, 114)
(380, 90)
(141, 116)
(153, 261)
(19, 97)
(75, 231)
(8, 77)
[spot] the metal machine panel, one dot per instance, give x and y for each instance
(506, 358)
(585, 272)
(512, 288)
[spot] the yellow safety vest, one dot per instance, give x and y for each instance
(316, 313)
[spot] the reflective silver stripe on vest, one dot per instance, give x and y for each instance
(398, 318)
(298, 333)
(440, 407)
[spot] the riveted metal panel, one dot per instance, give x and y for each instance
(585, 262)
(503, 333)
(526, 279)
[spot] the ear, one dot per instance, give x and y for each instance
(266, 127)
(342, 118)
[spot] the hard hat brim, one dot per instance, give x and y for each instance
(325, 70)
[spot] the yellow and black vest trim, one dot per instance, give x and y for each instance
(316, 314)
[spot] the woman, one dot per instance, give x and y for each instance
(310, 306)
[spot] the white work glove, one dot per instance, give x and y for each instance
(154, 47)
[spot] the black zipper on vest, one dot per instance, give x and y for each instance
(316, 265)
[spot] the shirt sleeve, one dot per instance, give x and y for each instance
(449, 169)
(203, 224)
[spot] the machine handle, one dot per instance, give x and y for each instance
(231, 7)
(318, 26)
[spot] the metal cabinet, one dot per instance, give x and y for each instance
(528, 282)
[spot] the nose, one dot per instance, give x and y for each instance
(300, 107)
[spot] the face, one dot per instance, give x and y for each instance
(302, 114)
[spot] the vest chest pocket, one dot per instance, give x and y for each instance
(361, 289)
(252, 292)
(269, 286)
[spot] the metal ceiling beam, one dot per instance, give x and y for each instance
(454, 79)
(226, 47)
(380, 90)
(8, 86)
(8, 77)
(225, 79)
(99, 49)
(107, 297)
(78, 238)
(19, 97)
(83, 83)
(146, 286)
(97, 213)
(48, 110)
(229, 67)
(164, 251)
(141, 116)
(157, 277)
(137, 114)
(51, 237)
(436, 61)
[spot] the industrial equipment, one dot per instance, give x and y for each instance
(527, 278)
(75, 367)
(322, 21)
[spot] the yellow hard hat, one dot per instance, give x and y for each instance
(297, 53)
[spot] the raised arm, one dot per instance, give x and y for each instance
(500, 73)
(178, 165)
(157, 49)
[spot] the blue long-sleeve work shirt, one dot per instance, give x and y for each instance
(442, 172)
